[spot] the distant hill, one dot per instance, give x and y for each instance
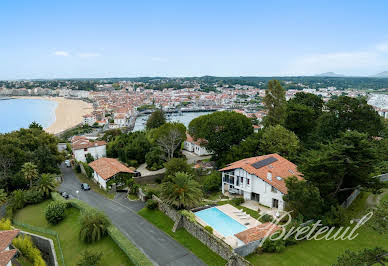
(381, 75)
(329, 74)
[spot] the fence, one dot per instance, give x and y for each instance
(44, 231)
(351, 198)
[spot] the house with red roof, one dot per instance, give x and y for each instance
(195, 146)
(7, 253)
(260, 178)
(82, 145)
(106, 169)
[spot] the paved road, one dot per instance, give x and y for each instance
(158, 246)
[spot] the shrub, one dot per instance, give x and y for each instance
(33, 196)
(189, 215)
(237, 201)
(27, 248)
(55, 212)
(212, 182)
(152, 191)
(158, 180)
(151, 204)
(18, 201)
(5, 224)
(209, 229)
(78, 168)
(266, 218)
(94, 226)
(90, 258)
(273, 246)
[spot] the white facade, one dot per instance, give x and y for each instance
(252, 188)
(96, 152)
(89, 120)
(99, 180)
(195, 148)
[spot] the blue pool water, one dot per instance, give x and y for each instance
(220, 222)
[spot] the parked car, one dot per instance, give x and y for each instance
(67, 163)
(65, 195)
(136, 174)
(85, 186)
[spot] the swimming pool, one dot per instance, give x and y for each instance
(220, 222)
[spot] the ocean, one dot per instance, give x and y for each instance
(20, 113)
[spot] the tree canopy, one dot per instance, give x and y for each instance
(275, 103)
(156, 119)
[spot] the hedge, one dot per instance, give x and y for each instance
(134, 254)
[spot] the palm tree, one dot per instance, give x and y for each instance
(30, 172)
(94, 225)
(46, 183)
(182, 191)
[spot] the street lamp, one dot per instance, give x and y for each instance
(77, 193)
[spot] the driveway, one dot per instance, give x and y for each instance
(193, 158)
(158, 246)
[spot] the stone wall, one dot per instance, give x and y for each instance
(46, 246)
(197, 231)
(248, 248)
(148, 179)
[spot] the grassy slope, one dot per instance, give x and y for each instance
(164, 223)
(324, 252)
(68, 233)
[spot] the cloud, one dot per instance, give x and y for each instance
(356, 62)
(61, 53)
(88, 55)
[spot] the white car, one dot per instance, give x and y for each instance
(67, 163)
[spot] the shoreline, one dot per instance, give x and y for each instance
(68, 112)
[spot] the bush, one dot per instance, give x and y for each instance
(237, 201)
(212, 182)
(94, 226)
(151, 204)
(55, 212)
(89, 258)
(189, 215)
(152, 191)
(273, 246)
(27, 248)
(33, 196)
(18, 200)
(266, 218)
(158, 180)
(209, 229)
(78, 168)
(5, 224)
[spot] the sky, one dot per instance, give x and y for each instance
(95, 39)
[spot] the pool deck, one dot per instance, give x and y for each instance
(236, 215)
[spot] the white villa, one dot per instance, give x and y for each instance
(106, 169)
(89, 119)
(82, 146)
(195, 146)
(260, 178)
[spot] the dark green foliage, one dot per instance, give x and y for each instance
(154, 159)
(265, 218)
(379, 220)
(35, 125)
(33, 196)
(273, 246)
(94, 225)
(176, 165)
(55, 212)
(89, 158)
(18, 199)
(129, 148)
(46, 184)
(182, 191)
(212, 182)
(156, 119)
(89, 258)
(363, 257)
(111, 134)
(221, 130)
(277, 139)
(238, 201)
(249, 147)
(275, 103)
(151, 204)
(303, 198)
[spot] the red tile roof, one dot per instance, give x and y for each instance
(281, 168)
(108, 167)
(6, 256)
(258, 232)
(198, 142)
(82, 143)
(6, 238)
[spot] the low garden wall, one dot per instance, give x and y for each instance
(197, 231)
(46, 246)
(148, 178)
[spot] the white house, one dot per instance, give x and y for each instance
(120, 120)
(82, 146)
(106, 168)
(89, 119)
(260, 178)
(7, 254)
(195, 146)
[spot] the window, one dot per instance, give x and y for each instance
(248, 181)
(275, 203)
(85, 149)
(273, 189)
(242, 180)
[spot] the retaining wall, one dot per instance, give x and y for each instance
(197, 231)
(46, 246)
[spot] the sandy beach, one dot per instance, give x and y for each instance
(68, 112)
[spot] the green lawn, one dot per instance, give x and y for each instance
(94, 186)
(325, 252)
(164, 223)
(68, 230)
